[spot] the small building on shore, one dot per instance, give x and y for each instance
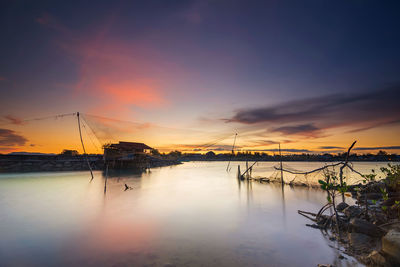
(127, 155)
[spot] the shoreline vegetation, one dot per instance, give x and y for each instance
(262, 156)
(71, 160)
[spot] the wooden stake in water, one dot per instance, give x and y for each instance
(280, 157)
(105, 182)
(233, 153)
(247, 167)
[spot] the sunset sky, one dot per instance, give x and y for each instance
(314, 76)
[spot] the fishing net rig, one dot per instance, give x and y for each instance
(286, 174)
(96, 131)
(104, 130)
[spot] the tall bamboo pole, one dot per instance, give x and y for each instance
(233, 152)
(83, 146)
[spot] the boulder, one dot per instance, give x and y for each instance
(359, 241)
(376, 259)
(352, 211)
(341, 206)
(362, 226)
(391, 244)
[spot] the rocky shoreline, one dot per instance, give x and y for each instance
(50, 163)
(370, 230)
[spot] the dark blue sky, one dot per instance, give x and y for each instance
(190, 61)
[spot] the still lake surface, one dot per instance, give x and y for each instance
(194, 214)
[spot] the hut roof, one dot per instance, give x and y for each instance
(130, 145)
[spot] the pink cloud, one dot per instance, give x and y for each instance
(117, 75)
(14, 120)
(117, 79)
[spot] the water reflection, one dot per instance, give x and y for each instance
(283, 205)
(191, 214)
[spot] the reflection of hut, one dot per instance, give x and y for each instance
(126, 154)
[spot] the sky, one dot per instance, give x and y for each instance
(188, 75)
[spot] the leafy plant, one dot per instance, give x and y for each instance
(369, 177)
(392, 180)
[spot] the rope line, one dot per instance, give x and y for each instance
(21, 122)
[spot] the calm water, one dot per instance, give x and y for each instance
(194, 214)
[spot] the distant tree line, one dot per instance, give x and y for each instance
(261, 156)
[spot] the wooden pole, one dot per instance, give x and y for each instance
(250, 168)
(280, 157)
(83, 146)
(233, 147)
(105, 182)
(247, 167)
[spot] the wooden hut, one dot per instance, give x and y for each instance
(126, 155)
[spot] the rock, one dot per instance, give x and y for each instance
(391, 244)
(364, 227)
(389, 202)
(376, 259)
(359, 241)
(341, 206)
(352, 211)
(375, 196)
(378, 218)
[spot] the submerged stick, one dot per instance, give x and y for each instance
(304, 213)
